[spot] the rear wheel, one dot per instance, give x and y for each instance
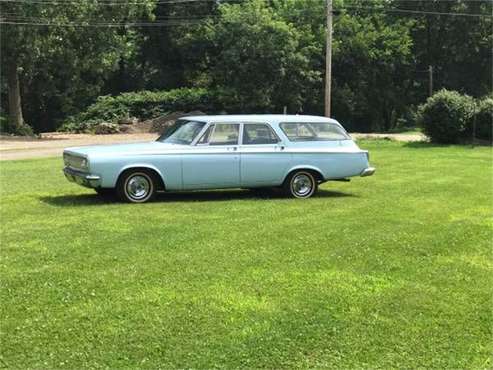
(300, 184)
(137, 186)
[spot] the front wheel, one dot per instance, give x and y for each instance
(301, 184)
(137, 186)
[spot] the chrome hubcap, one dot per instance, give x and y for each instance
(302, 185)
(138, 187)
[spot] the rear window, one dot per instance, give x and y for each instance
(317, 131)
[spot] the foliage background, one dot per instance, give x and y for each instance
(260, 55)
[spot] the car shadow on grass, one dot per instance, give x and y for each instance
(189, 196)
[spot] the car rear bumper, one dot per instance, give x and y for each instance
(368, 171)
(82, 178)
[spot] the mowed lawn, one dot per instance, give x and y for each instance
(394, 270)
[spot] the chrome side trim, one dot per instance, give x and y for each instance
(368, 171)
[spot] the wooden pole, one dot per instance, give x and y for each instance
(328, 60)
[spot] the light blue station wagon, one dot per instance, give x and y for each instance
(296, 152)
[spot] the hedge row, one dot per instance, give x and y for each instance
(449, 117)
(141, 104)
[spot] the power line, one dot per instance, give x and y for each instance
(109, 3)
(18, 19)
(409, 11)
(159, 2)
(134, 24)
(159, 18)
(173, 1)
(394, 10)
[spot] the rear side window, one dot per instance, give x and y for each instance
(258, 133)
(317, 131)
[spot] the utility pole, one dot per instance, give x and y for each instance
(328, 59)
(430, 80)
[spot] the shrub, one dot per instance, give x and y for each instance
(104, 128)
(484, 119)
(141, 104)
(446, 116)
(3, 124)
(72, 125)
(24, 130)
(7, 128)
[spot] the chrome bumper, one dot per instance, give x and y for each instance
(368, 171)
(82, 178)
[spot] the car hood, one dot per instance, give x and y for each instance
(133, 148)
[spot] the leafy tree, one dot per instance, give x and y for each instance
(253, 56)
(372, 63)
(260, 55)
(160, 61)
(267, 56)
(62, 65)
(458, 47)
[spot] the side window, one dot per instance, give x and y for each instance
(206, 135)
(225, 134)
(319, 131)
(258, 133)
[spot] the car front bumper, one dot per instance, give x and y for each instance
(82, 178)
(368, 171)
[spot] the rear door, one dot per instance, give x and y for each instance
(263, 157)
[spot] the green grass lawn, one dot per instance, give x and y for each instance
(394, 270)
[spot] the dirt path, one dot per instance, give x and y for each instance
(396, 137)
(52, 144)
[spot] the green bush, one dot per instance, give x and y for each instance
(484, 119)
(6, 128)
(3, 124)
(141, 104)
(105, 128)
(446, 116)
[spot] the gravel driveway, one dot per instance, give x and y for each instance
(52, 144)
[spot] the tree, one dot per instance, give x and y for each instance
(372, 65)
(261, 55)
(62, 64)
(252, 56)
(458, 47)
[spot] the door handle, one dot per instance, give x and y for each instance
(233, 149)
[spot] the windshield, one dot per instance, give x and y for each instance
(182, 132)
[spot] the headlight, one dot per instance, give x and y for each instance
(76, 161)
(84, 163)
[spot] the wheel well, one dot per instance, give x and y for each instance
(316, 174)
(153, 172)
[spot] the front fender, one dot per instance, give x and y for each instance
(139, 165)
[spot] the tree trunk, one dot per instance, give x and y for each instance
(15, 109)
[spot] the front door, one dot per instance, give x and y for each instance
(215, 161)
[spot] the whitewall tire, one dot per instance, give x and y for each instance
(301, 184)
(137, 186)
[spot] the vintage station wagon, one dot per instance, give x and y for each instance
(228, 151)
